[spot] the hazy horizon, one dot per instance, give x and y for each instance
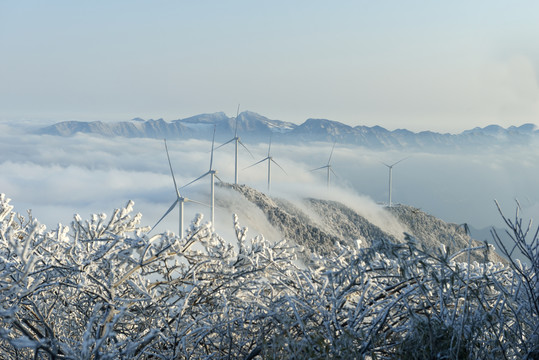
(420, 65)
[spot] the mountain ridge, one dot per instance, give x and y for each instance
(256, 128)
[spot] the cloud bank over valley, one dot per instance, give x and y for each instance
(56, 177)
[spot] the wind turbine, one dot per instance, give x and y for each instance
(269, 158)
(180, 200)
(391, 176)
(328, 166)
(213, 174)
(237, 141)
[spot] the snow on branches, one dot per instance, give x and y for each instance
(104, 289)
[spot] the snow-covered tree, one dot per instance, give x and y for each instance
(104, 289)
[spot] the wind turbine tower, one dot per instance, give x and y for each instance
(269, 159)
(391, 176)
(328, 167)
(213, 174)
(237, 141)
(180, 200)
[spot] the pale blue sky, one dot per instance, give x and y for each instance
(444, 66)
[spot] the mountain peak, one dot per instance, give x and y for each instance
(324, 123)
(205, 118)
(524, 128)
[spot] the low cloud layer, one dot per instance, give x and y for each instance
(57, 177)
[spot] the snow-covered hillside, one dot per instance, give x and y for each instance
(319, 224)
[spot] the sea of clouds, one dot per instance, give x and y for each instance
(57, 177)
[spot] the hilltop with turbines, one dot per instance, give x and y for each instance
(320, 234)
(307, 238)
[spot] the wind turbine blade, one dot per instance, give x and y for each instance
(218, 178)
(275, 162)
(321, 167)
(228, 142)
(197, 202)
(389, 166)
(212, 143)
(198, 178)
(333, 172)
(171, 171)
(256, 163)
(331, 154)
(242, 144)
(168, 211)
(401, 160)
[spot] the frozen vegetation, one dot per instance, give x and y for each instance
(104, 289)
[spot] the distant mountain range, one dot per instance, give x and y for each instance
(253, 127)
